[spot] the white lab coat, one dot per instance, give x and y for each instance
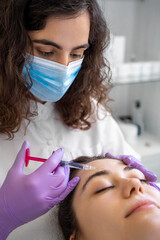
(47, 133)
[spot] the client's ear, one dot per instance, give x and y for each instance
(76, 236)
(73, 236)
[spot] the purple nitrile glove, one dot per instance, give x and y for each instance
(26, 197)
(132, 161)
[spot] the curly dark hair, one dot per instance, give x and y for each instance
(17, 17)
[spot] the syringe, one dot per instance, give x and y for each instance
(77, 165)
(70, 164)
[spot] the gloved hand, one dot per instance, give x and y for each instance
(132, 161)
(26, 197)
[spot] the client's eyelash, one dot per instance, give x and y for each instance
(144, 180)
(103, 189)
(111, 187)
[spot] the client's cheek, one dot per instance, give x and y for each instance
(155, 186)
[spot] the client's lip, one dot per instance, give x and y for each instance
(140, 205)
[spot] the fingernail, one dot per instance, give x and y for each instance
(25, 144)
(76, 179)
(59, 150)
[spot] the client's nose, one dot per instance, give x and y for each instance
(131, 186)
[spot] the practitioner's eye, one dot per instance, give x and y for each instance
(76, 55)
(104, 189)
(45, 54)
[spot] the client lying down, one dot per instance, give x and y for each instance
(113, 201)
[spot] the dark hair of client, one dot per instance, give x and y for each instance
(17, 18)
(66, 215)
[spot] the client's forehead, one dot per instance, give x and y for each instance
(103, 167)
(107, 163)
(102, 164)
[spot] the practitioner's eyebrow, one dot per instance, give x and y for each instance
(50, 43)
(104, 172)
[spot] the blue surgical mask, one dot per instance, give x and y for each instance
(51, 80)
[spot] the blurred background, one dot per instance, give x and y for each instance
(134, 55)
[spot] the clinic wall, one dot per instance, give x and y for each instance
(147, 30)
(125, 10)
(148, 94)
(138, 20)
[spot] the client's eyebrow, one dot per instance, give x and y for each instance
(105, 172)
(128, 168)
(97, 174)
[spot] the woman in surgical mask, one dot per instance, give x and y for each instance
(54, 85)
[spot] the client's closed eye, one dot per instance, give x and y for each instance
(144, 181)
(104, 189)
(111, 187)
